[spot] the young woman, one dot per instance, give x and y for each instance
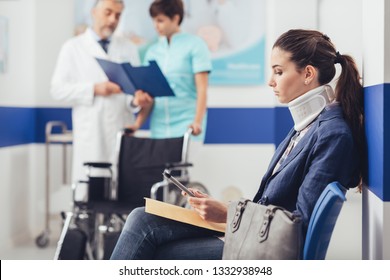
(185, 61)
(325, 145)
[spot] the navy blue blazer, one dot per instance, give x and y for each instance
(326, 153)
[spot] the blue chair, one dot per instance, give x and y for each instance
(323, 220)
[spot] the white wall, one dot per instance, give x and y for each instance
(54, 20)
(37, 28)
(14, 168)
(20, 73)
(34, 45)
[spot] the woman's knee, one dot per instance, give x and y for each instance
(137, 213)
(135, 218)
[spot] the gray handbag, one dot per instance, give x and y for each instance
(259, 232)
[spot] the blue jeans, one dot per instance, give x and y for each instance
(147, 237)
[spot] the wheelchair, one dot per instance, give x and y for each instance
(91, 229)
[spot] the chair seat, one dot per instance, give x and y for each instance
(109, 207)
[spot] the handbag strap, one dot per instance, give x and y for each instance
(268, 216)
(241, 205)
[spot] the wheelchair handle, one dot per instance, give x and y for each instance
(189, 131)
(98, 164)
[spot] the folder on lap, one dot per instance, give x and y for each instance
(130, 78)
(180, 214)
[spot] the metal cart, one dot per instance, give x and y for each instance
(52, 136)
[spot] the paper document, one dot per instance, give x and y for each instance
(180, 214)
(130, 78)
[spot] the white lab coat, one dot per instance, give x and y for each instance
(96, 119)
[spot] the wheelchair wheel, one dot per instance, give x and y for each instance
(42, 240)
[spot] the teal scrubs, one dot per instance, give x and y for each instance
(180, 60)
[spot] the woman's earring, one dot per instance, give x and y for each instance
(306, 82)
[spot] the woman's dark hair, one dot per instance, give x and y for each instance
(169, 8)
(311, 47)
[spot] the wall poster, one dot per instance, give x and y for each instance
(234, 31)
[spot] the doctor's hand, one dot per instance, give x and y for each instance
(208, 208)
(142, 99)
(106, 89)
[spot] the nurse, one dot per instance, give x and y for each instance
(99, 107)
(185, 61)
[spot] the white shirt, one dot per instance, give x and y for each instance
(96, 119)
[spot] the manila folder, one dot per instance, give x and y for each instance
(180, 214)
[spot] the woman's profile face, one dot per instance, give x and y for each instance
(166, 26)
(286, 81)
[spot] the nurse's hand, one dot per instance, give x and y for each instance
(142, 99)
(106, 88)
(132, 128)
(196, 128)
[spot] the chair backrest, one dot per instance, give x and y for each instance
(141, 163)
(323, 220)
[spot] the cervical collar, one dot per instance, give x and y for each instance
(308, 106)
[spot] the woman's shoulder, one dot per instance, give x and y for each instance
(332, 115)
(332, 123)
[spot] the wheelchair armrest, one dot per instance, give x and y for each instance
(98, 164)
(177, 165)
(168, 165)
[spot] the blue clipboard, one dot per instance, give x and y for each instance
(131, 78)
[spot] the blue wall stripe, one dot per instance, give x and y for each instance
(44, 115)
(240, 126)
(283, 123)
(225, 125)
(17, 126)
(377, 102)
(247, 125)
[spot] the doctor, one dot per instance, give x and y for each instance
(100, 109)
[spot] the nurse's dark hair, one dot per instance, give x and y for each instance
(169, 8)
(311, 47)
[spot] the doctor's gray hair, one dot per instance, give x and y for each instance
(116, 1)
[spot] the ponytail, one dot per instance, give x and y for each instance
(349, 92)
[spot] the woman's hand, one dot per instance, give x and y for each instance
(142, 99)
(208, 208)
(196, 128)
(131, 129)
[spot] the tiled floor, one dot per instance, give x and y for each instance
(29, 251)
